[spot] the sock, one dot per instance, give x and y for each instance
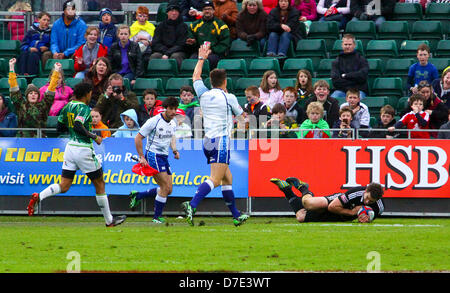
(228, 196)
(296, 204)
(202, 192)
(148, 193)
(304, 190)
(160, 202)
(288, 193)
(103, 203)
(51, 190)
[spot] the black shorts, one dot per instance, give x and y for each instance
(332, 197)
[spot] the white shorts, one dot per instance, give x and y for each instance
(80, 158)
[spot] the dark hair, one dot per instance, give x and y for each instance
(217, 77)
(388, 109)
(170, 102)
(375, 190)
(186, 88)
(346, 109)
(81, 89)
(278, 108)
(423, 47)
(416, 97)
(42, 13)
(150, 92)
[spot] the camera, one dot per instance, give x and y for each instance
(117, 89)
(346, 121)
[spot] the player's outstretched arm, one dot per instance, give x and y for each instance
(336, 207)
(203, 53)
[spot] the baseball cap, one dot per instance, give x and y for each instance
(68, 3)
(104, 11)
(207, 3)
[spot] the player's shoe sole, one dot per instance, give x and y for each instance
(241, 220)
(281, 184)
(188, 212)
(117, 221)
(133, 201)
(300, 185)
(32, 204)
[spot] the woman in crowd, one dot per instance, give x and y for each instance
(86, 54)
(98, 76)
(251, 23)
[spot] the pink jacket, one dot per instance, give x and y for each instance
(271, 98)
(61, 98)
(17, 29)
(307, 9)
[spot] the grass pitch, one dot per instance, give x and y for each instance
(55, 244)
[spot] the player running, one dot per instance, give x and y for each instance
(79, 153)
(160, 133)
(218, 108)
(337, 207)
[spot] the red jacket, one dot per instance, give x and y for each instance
(102, 52)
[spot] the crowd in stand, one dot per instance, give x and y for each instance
(109, 54)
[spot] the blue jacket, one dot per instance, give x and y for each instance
(35, 38)
(108, 34)
(10, 121)
(67, 39)
(132, 132)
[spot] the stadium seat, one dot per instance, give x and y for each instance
(402, 104)
(337, 48)
(375, 70)
(67, 66)
(324, 68)
(40, 81)
(443, 49)
(71, 81)
(285, 82)
(188, 65)
(375, 103)
(235, 68)
(158, 68)
(440, 12)
(394, 30)
(326, 30)
(127, 84)
(398, 68)
(291, 66)
(9, 49)
(315, 49)
(430, 30)
(4, 67)
(161, 13)
(52, 122)
(362, 30)
(239, 49)
(4, 85)
(230, 87)
(242, 100)
(408, 48)
(440, 63)
(410, 12)
(373, 121)
(258, 66)
(174, 84)
(245, 82)
(341, 100)
(391, 87)
(382, 49)
(142, 84)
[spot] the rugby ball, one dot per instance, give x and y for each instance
(366, 210)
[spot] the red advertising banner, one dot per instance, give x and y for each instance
(406, 168)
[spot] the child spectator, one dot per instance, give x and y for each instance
(254, 109)
(183, 129)
(293, 109)
(386, 120)
(142, 32)
(303, 85)
(31, 112)
(344, 123)
(189, 104)
(279, 120)
(7, 119)
(446, 126)
(151, 103)
(416, 119)
(330, 105)
(307, 9)
(63, 93)
(361, 115)
(422, 70)
(86, 54)
(34, 44)
(130, 127)
(108, 31)
(270, 92)
(318, 128)
(98, 124)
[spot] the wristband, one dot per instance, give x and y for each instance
(201, 58)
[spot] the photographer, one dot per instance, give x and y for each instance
(116, 100)
(344, 124)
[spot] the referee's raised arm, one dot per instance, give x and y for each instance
(203, 53)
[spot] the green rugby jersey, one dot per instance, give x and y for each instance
(77, 111)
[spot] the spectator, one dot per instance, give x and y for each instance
(130, 127)
(293, 109)
(251, 23)
(8, 119)
(125, 56)
(34, 44)
(142, 32)
(67, 33)
(422, 70)
(116, 100)
(189, 104)
(334, 10)
(386, 120)
(191, 10)
(269, 5)
(349, 70)
(280, 121)
(442, 87)
(31, 113)
(227, 11)
(361, 114)
(209, 29)
(446, 126)
(423, 3)
(98, 76)
(17, 28)
(303, 85)
(318, 128)
(98, 124)
(307, 9)
(330, 105)
(108, 31)
(255, 109)
(86, 54)
(62, 93)
(361, 8)
(417, 119)
(170, 36)
(283, 28)
(270, 92)
(344, 123)
(148, 109)
(183, 129)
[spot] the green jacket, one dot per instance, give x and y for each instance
(307, 124)
(214, 31)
